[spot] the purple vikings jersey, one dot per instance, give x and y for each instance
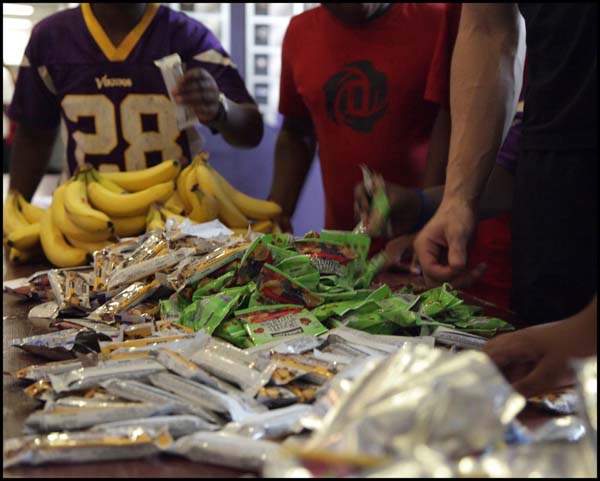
(115, 105)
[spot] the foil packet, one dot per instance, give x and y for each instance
(127, 298)
(77, 291)
(587, 388)
(178, 425)
(562, 402)
(225, 449)
(458, 339)
(390, 409)
(74, 418)
(81, 447)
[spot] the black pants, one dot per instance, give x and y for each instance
(554, 234)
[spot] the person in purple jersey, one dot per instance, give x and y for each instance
(94, 66)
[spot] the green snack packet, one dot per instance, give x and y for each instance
(215, 309)
(188, 314)
(328, 257)
(365, 322)
(257, 254)
(281, 253)
(464, 311)
(397, 311)
(168, 311)
(266, 323)
(386, 328)
(234, 332)
(373, 268)
(438, 300)
(484, 323)
(368, 303)
(300, 268)
(276, 287)
(359, 244)
(351, 295)
(212, 286)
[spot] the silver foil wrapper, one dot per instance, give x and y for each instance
(455, 404)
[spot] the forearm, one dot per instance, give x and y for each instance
(294, 153)
(30, 154)
(242, 126)
(486, 77)
(437, 155)
(584, 325)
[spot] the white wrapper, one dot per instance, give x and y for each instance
(225, 449)
(74, 418)
(178, 425)
(84, 447)
(272, 424)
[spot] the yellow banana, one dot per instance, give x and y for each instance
(129, 226)
(12, 217)
(124, 205)
(89, 247)
(20, 257)
(264, 226)
(106, 182)
(228, 212)
(135, 181)
(181, 180)
(24, 238)
(175, 204)
(250, 206)
(167, 214)
(64, 223)
(31, 212)
(56, 248)
(204, 205)
(154, 220)
(82, 213)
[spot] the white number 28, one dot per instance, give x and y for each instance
(105, 139)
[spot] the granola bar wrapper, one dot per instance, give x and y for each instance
(127, 298)
(193, 269)
(334, 258)
(275, 287)
(225, 449)
(178, 425)
(315, 370)
(148, 249)
(85, 446)
(266, 323)
(275, 397)
(73, 418)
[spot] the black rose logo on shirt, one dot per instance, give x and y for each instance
(356, 96)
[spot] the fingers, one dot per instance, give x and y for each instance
(457, 247)
(548, 375)
(361, 202)
(469, 277)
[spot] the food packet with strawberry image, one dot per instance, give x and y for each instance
(267, 323)
(259, 253)
(276, 287)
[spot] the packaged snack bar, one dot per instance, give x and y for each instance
(148, 249)
(87, 377)
(233, 365)
(379, 205)
(47, 310)
(193, 269)
(483, 324)
(265, 323)
(178, 425)
(36, 287)
(73, 418)
(277, 288)
(271, 424)
(458, 339)
(225, 449)
(316, 371)
(373, 267)
(563, 401)
(141, 270)
(77, 290)
(176, 363)
(359, 244)
(127, 298)
(60, 345)
(136, 345)
(259, 253)
(275, 397)
(39, 372)
(304, 391)
(168, 310)
(86, 446)
(145, 393)
(141, 313)
(171, 69)
(100, 263)
(40, 390)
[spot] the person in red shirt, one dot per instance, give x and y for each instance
(368, 83)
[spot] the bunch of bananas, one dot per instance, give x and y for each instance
(21, 228)
(92, 209)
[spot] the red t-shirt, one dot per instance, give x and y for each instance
(372, 91)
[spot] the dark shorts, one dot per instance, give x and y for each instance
(554, 234)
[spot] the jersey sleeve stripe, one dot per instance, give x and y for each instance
(213, 56)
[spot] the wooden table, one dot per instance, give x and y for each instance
(17, 406)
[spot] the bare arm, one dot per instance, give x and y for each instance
(30, 154)
(485, 81)
(437, 156)
(294, 152)
(242, 126)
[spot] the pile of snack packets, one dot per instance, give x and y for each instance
(193, 342)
